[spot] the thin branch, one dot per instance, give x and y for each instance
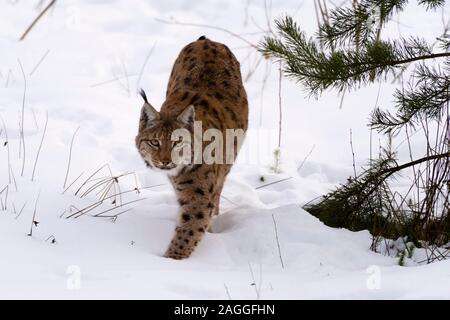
(412, 163)
(209, 27)
(37, 19)
(39, 62)
(271, 183)
(278, 241)
(394, 63)
(138, 82)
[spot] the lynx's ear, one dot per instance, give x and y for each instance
(187, 116)
(148, 113)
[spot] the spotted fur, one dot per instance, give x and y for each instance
(206, 75)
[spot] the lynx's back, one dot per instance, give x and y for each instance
(210, 70)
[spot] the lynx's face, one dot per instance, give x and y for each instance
(154, 140)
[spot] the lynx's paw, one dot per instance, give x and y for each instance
(177, 255)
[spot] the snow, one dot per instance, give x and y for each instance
(90, 43)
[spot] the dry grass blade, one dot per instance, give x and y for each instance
(115, 215)
(254, 284)
(108, 210)
(73, 182)
(4, 204)
(278, 240)
(40, 146)
(138, 82)
(22, 120)
(91, 176)
(21, 210)
(6, 144)
(70, 157)
(306, 158)
(92, 206)
(33, 221)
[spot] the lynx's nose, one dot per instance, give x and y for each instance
(166, 163)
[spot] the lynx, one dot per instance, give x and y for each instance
(205, 85)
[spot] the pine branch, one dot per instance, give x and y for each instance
(428, 97)
(359, 23)
(382, 175)
(348, 52)
(432, 4)
(342, 69)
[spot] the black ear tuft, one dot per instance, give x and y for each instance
(202, 38)
(143, 95)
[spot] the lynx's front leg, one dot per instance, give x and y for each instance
(194, 220)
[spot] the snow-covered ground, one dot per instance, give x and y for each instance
(83, 64)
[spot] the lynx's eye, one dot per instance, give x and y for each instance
(153, 143)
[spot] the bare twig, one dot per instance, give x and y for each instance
(278, 241)
(271, 183)
(37, 19)
(209, 27)
(138, 82)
